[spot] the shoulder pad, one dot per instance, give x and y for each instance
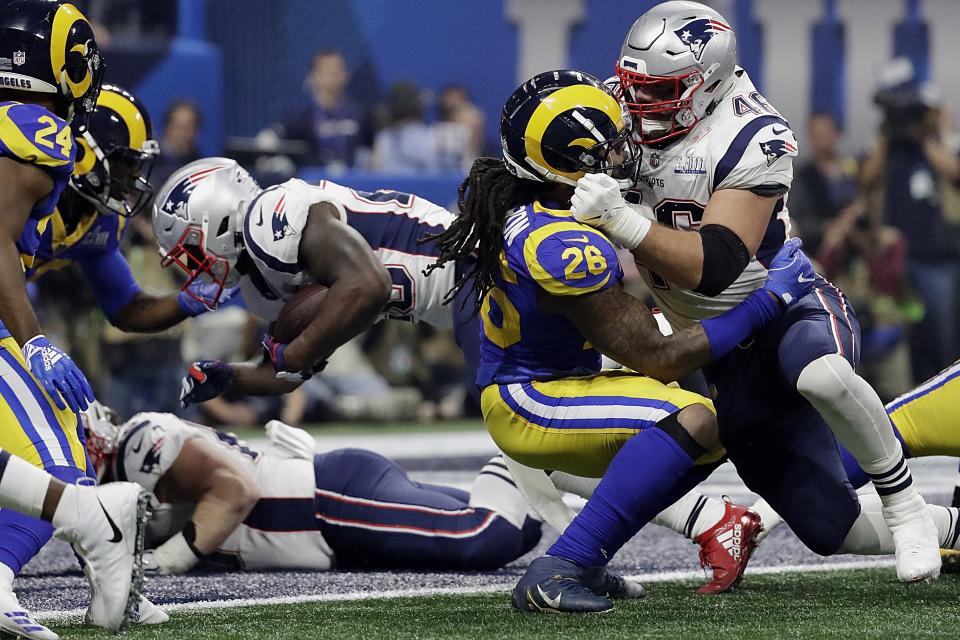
(30, 133)
(568, 258)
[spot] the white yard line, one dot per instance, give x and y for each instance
(74, 615)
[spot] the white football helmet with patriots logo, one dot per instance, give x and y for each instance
(677, 61)
(197, 216)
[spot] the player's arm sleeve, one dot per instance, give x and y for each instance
(569, 259)
(760, 158)
(112, 281)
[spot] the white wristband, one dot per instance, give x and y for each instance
(628, 227)
(175, 556)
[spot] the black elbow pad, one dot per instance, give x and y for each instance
(724, 259)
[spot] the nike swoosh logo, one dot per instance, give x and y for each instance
(139, 446)
(776, 133)
(802, 279)
(553, 602)
(582, 238)
(260, 223)
(117, 534)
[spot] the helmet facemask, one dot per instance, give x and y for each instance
(661, 106)
(617, 157)
(119, 181)
(102, 427)
(191, 256)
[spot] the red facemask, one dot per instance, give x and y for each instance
(190, 256)
(657, 98)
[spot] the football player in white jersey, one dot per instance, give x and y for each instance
(708, 210)
(287, 507)
(213, 221)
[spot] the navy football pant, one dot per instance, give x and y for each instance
(374, 517)
(781, 447)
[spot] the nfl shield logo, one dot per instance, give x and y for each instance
(654, 160)
(19, 58)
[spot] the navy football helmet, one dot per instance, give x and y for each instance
(560, 125)
(48, 47)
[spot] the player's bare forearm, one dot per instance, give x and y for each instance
(675, 255)
(349, 308)
(623, 328)
(149, 314)
(259, 379)
(16, 312)
(23, 186)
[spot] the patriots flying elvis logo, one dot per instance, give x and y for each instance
(775, 148)
(697, 33)
(281, 228)
(176, 202)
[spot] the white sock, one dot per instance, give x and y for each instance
(577, 485)
(68, 509)
(6, 577)
(860, 423)
(494, 489)
(691, 515)
(770, 518)
(870, 534)
(23, 487)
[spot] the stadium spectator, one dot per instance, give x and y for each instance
(405, 143)
(825, 186)
(911, 164)
(334, 125)
(181, 126)
(459, 128)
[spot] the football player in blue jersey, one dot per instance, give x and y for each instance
(550, 300)
(50, 76)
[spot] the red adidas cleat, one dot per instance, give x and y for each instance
(726, 547)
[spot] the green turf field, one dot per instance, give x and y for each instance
(842, 604)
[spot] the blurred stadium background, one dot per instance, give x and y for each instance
(404, 94)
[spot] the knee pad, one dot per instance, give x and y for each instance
(827, 379)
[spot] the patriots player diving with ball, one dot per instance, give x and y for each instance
(550, 299)
(704, 218)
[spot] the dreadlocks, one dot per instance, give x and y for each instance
(484, 199)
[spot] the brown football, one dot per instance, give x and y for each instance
(299, 311)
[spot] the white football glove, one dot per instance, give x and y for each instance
(598, 203)
(291, 441)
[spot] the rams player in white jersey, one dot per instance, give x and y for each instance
(288, 507)
(708, 211)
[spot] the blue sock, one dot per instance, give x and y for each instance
(22, 537)
(642, 480)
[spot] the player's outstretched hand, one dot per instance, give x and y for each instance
(275, 350)
(59, 375)
(598, 203)
(205, 379)
(192, 301)
(791, 275)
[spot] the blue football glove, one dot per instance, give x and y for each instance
(58, 374)
(275, 351)
(205, 291)
(205, 379)
(791, 275)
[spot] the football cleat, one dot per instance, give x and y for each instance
(915, 539)
(109, 539)
(145, 612)
(725, 548)
(16, 622)
(619, 588)
(555, 585)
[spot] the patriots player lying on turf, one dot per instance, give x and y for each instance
(550, 299)
(288, 507)
(710, 211)
(212, 220)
